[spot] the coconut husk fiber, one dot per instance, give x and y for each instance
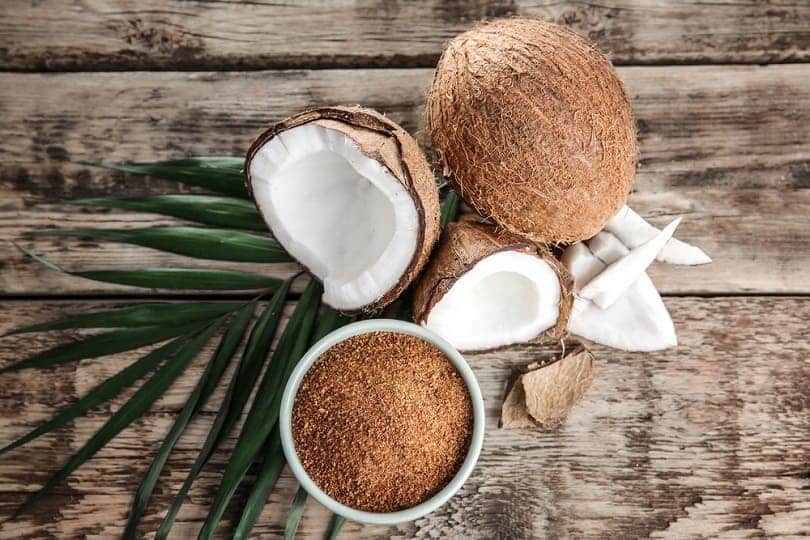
(534, 128)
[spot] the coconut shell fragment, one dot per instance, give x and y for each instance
(534, 127)
(545, 394)
(468, 249)
(351, 196)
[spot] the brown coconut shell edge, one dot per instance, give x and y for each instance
(543, 394)
(462, 246)
(383, 140)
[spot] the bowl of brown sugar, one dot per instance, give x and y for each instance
(382, 421)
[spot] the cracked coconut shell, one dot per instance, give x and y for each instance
(544, 395)
(534, 127)
(385, 142)
(465, 244)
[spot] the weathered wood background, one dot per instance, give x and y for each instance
(711, 439)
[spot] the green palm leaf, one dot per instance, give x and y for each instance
(154, 314)
(265, 481)
(330, 320)
(103, 345)
(216, 244)
(183, 279)
(101, 393)
(199, 396)
(147, 394)
(450, 206)
(170, 278)
(228, 212)
(334, 528)
(219, 174)
(274, 457)
(236, 396)
(264, 411)
(296, 513)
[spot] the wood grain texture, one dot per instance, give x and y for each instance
(709, 439)
(155, 34)
(724, 146)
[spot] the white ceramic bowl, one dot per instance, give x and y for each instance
(364, 327)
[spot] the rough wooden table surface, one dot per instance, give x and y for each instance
(711, 439)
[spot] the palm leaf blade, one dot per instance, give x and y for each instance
(218, 174)
(236, 396)
(450, 206)
(202, 391)
(103, 345)
(215, 244)
(183, 279)
(218, 211)
(329, 320)
(170, 278)
(147, 394)
(265, 481)
(296, 513)
(334, 528)
(263, 415)
(101, 393)
(153, 314)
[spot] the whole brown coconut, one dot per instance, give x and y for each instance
(534, 127)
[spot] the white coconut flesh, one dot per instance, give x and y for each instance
(343, 215)
(633, 230)
(508, 297)
(637, 321)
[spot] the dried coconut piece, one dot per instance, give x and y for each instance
(553, 390)
(545, 394)
(637, 321)
(514, 414)
(611, 284)
(633, 230)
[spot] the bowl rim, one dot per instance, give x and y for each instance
(364, 327)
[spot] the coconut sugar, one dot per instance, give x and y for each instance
(382, 421)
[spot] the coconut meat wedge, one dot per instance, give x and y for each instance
(506, 298)
(352, 219)
(486, 289)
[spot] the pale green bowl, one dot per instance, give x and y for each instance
(363, 327)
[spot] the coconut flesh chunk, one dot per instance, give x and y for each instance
(637, 321)
(610, 284)
(508, 297)
(343, 215)
(486, 288)
(633, 230)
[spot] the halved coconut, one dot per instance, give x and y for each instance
(486, 288)
(351, 196)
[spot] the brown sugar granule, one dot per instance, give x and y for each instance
(382, 421)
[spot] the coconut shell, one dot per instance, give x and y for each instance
(534, 127)
(383, 140)
(465, 243)
(544, 395)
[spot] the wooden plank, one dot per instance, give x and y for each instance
(154, 34)
(711, 438)
(724, 146)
